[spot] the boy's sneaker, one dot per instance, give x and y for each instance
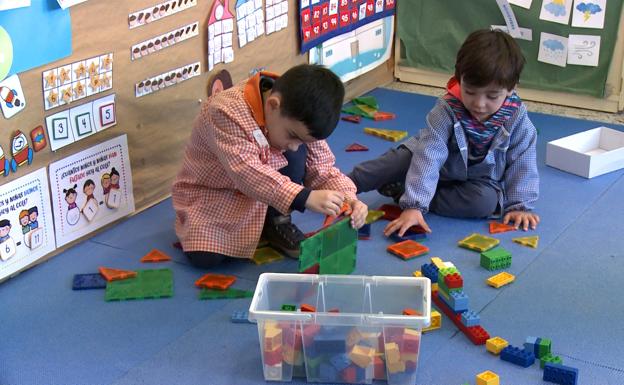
(283, 235)
(393, 190)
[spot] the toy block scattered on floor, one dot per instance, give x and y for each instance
(527, 241)
(382, 115)
(438, 262)
(369, 101)
(500, 279)
(542, 347)
(487, 378)
(356, 147)
(560, 374)
(352, 118)
(478, 242)
(495, 345)
(391, 135)
(363, 111)
(436, 321)
(549, 358)
(470, 318)
(266, 255)
(430, 271)
(116, 274)
(88, 281)
(408, 249)
(373, 216)
(240, 317)
(495, 259)
(477, 334)
(155, 256)
(333, 249)
(517, 356)
(417, 273)
(224, 294)
(364, 232)
(215, 281)
(497, 227)
(147, 284)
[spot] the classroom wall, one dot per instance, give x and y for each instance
(158, 125)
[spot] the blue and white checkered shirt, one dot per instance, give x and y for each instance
(440, 152)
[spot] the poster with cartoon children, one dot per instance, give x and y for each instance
(26, 227)
(91, 189)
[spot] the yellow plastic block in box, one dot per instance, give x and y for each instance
(413, 357)
(391, 135)
(527, 241)
(392, 352)
(494, 345)
(500, 279)
(417, 273)
(353, 337)
(487, 378)
(436, 321)
(438, 262)
(478, 242)
(395, 367)
(362, 356)
(272, 338)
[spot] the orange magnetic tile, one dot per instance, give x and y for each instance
(381, 115)
(408, 249)
(215, 281)
(307, 308)
(116, 274)
(155, 256)
(330, 219)
(497, 227)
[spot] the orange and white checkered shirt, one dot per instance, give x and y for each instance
(227, 179)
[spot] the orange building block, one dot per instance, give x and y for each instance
(409, 311)
(155, 256)
(408, 249)
(215, 281)
(308, 308)
(116, 274)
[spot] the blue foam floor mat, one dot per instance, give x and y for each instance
(566, 290)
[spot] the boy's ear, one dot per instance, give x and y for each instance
(274, 101)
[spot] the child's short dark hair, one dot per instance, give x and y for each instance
(5, 222)
(488, 56)
(312, 95)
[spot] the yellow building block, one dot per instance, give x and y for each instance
(417, 273)
(438, 262)
(272, 338)
(487, 378)
(436, 321)
(395, 367)
(434, 287)
(494, 345)
(527, 241)
(362, 356)
(353, 337)
(391, 135)
(392, 352)
(478, 242)
(500, 279)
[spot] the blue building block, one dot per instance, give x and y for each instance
(430, 271)
(327, 373)
(364, 232)
(449, 303)
(459, 301)
(88, 281)
(340, 361)
(530, 343)
(535, 349)
(329, 343)
(470, 318)
(516, 356)
(240, 317)
(560, 374)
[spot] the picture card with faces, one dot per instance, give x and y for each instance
(163, 41)
(158, 11)
(68, 83)
(167, 79)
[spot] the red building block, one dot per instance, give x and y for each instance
(453, 281)
(308, 308)
(476, 334)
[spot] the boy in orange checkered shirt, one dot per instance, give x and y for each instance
(257, 152)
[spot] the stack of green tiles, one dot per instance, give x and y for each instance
(157, 283)
(496, 259)
(333, 248)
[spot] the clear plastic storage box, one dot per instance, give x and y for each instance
(357, 333)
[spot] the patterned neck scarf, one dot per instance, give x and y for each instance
(479, 134)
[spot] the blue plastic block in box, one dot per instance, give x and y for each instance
(240, 317)
(529, 344)
(470, 318)
(560, 374)
(327, 373)
(329, 343)
(516, 356)
(459, 301)
(430, 271)
(340, 361)
(88, 281)
(364, 232)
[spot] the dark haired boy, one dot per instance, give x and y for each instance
(251, 149)
(5, 229)
(476, 156)
(33, 214)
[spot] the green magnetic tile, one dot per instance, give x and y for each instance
(333, 248)
(370, 101)
(222, 294)
(478, 242)
(156, 283)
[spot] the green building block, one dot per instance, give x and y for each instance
(157, 283)
(550, 358)
(495, 259)
(544, 347)
(333, 248)
(287, 307)
(224, 294)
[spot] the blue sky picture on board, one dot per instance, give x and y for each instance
(39, 34)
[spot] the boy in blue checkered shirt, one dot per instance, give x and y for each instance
(476, 157)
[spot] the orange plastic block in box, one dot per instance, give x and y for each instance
(408, 249)
(116, 274)
(307, 308)
(409, 311)
(215, 281)
(155, 256)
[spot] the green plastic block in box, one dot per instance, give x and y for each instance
(333, 248)
(287, 307)
(495, 259)
(223, 294)
(156, 283)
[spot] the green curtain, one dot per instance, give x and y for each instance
(431, 32)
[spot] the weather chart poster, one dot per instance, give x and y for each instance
(320, 20)
(91, 189)
(26, 229)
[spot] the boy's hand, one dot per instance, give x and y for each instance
(522, 219)
(326, 202)
(408, 218)
(358, 212)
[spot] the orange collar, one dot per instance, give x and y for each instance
(454, 88)
(253, 96)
